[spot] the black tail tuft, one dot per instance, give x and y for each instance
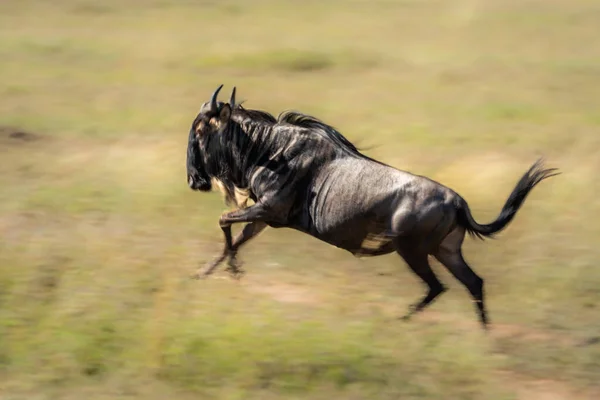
(528, 181)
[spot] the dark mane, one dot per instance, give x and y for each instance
(298, 119)
(317, 126)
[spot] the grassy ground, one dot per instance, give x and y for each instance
(98, 231)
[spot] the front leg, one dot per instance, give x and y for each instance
(227, 251)
(256, 216)
(250, 230)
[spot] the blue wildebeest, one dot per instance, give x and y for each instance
(303, 174)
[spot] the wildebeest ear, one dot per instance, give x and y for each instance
(224, 113)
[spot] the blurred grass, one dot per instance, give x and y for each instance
(98, 231)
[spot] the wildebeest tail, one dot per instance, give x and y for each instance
(532, 177)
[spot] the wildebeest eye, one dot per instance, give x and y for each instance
(200, 128)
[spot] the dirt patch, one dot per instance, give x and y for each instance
(14, 135)
(288, 293)
(497, 330)
(284, 293)
(544, 389)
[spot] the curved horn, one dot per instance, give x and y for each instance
(213, 100)
(232, 98)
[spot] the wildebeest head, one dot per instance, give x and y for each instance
(212, 119)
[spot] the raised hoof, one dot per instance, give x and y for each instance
(203, 273)
(235, 269)
(197, 276)
(412, 310)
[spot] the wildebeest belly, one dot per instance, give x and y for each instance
(361, 237)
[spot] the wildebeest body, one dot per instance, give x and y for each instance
(360, 206)
(303, 174)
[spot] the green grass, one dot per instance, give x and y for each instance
(99, 232)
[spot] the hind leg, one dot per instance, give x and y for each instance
(449, 253)
(417, 261)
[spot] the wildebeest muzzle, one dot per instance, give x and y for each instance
(195, 182)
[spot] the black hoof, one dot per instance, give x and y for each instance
(235, 268)
(198, 276)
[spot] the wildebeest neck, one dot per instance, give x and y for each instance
(255, 140)
(233, 153)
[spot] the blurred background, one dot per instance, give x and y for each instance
(99, 231)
